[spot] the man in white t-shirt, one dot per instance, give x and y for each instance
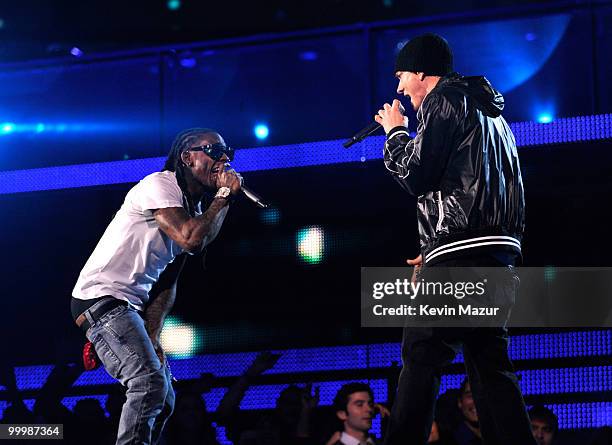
(128, 285)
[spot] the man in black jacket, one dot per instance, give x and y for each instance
(463, 168)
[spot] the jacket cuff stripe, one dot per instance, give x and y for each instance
(395, 132)
(471, 243)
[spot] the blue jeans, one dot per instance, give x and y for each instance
(123, 345)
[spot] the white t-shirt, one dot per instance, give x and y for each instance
(133, 251)
(347, 439)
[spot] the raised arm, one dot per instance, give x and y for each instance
(192, 234)
(195, 233)
(418, 163)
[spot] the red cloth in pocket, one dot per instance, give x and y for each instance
(90, 358)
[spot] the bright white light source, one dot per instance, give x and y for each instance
(310, 244)
(261, 131)
(545, 118)
(179, 339)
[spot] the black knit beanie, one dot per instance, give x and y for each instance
(428, 53)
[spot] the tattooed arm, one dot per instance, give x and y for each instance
(161, 300)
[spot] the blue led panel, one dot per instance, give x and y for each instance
(70, 402)
(524, 347)
(551, 381)
(264, 396)
(521, 347)
(220, 365)
(583, 415)
(96, 377)
(450, 381)
(564, 130)
(292, 360)
(29, 403)
(81, 175)
(3, 405)
(213, 397)
(32, 377)
(222, 435)
(573, 129)
(560, 345)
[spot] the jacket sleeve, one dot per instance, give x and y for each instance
(418, 164)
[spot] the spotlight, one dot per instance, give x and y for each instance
(261, 131)
(76, 52)
(545, 118)
(310, 244)
(179, 339)
(7, 127)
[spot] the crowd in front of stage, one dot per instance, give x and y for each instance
(298, 419)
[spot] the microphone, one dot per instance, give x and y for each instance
(247, 193)
(367, 131)
(362, 134)
(251, 196)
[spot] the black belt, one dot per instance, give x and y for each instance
(98, 312)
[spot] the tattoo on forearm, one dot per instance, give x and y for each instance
(156, 312)
(215, 225)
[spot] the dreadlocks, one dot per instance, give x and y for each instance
(183, 141)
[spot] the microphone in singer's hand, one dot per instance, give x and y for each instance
(251, 196)
(367, 131)
(362, 134)
(247, 193)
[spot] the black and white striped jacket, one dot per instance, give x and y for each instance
(463, 167)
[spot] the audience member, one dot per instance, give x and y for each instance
(544, 424)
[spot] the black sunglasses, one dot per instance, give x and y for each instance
(215, 151)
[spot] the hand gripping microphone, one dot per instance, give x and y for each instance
(247, 193)
(367, 131)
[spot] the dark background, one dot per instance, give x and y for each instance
(315, 84)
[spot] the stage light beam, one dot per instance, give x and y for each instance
(261, 131)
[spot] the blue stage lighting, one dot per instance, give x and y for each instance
(261, 131)
(527, 134)
(309, 56)
(545, 118)
(7, 127)
(188, 62)
(76, 52)
(270, 216)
